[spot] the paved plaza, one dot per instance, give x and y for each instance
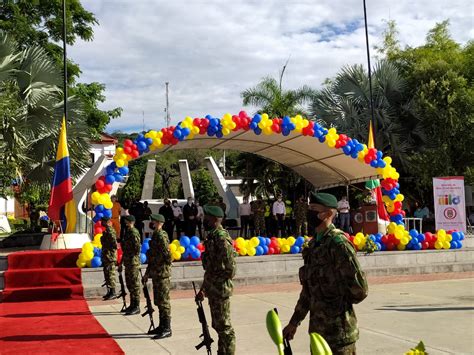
(397, 314)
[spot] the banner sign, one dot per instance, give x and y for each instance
(449, 203)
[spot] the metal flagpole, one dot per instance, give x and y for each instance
(371, 99)
(64, 61)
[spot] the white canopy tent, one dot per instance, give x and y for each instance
(322, 166)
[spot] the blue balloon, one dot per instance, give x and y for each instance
(143, 258)
(295, 249)
(185, 241)
(109, 171)
(107, 213)
(459, 244)
(142, 145)
(378, 245)
(118, 177)
(186, 131)
(259, 250)
(109, 179)
(177, 133)
(299, 241)
(265, 250)
(96, 218)
(257, 118)
(195, 241)
(196, 253)
(99, 208)
(140, 137)
(268, 241)
(219, 134)
(96, 262)
(99, 215)
(372, 238)
(149, 141)
(123, 170)
(257, 131)
(413, 233)
(262, 241)
(421, 238)
(253, 125)
(145, 247)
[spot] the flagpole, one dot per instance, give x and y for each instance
(371, 100)
(64, 61)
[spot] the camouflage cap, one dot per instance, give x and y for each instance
(129, 218)
(157, 218)
(324, 199)
(215, 211)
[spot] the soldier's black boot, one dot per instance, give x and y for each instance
(134, 309)
(111, 295)
(157, 330)
(104, 297)
(165, 331)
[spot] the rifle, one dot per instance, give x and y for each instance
(149, 306)
(123, 293)
(207, 340)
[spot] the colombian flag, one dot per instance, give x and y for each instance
(61, 204)
(375, 184)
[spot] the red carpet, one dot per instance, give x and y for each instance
(43, 309)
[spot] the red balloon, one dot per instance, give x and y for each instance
(425, 245)
(127, 143)
(271, 251)
(97, 230)
(99, 184)
(243, 114)
(390, 246)
(108, 188)
(384, 239)
(135, 154)
(127, 150)
(197, 122)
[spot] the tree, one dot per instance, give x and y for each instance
(91, 94)
(39, 23)
(31, 112)
(270, 98)
(345, 104)
(204, 187)
(440, 78)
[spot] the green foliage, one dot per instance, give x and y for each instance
(269, 97)
(91, 94)
(33, 193)
(133, 188)
(345, 104)
(440, 80)
(31, 109)
(204, 187)
(39, 23)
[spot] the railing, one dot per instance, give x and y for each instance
(411, 223)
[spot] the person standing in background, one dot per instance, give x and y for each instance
(301, 212)
(223, 206)
(109, 258)
(279, 213)
(343, 208)
(177, 216)
(189, 215)
(116, 209)
(258, 212)
(167, 211)
(199, 217)
(244, 212)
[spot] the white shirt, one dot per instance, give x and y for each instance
(343, 206)
(279, 208)
(244, 209)
(200, 214)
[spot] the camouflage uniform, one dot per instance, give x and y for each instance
(332, 282)
(301, 211)
(159, 269)
(109, 255)
(219, 265)
(258, 211)
(131, 246)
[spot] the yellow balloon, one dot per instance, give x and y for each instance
(120, 163)
(331, 143)
(87, 246)
(251, 251)
(400, 246)
(439, 245)
(291, 240)
(109, 204)
(88, 263)
(176, 255)
(446, 245)
(95, 197)
(399, 234)
(242, 251)
(173, 248)
(285, 248)
(332, 131)
(176, 242)
(225, 131)
(88, 254)
(181, 250)
(404, 241)
(254, 242)
(441, 233)
(449, 237)
(387, 160)
(80, 264)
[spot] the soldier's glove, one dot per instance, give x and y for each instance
(200, 296)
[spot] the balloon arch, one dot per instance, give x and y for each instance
(153, 141)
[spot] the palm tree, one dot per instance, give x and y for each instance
(31, 112)
(270, 98)
(345, 104)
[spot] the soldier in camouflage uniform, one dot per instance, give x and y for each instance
(159, 269)
(109, 257)
(131, 245)
(332, 281)
(301, 211)
(258, 212)
(219, 270)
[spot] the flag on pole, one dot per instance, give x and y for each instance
(61, 203)
(374, 185)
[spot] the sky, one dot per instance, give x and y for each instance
(210, 51)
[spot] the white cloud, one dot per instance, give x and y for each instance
(210, 51)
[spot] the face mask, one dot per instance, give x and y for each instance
(207, 225)
(279, 200)
(151, 225)
(190, 203)
(175, 205)
(313, 220)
